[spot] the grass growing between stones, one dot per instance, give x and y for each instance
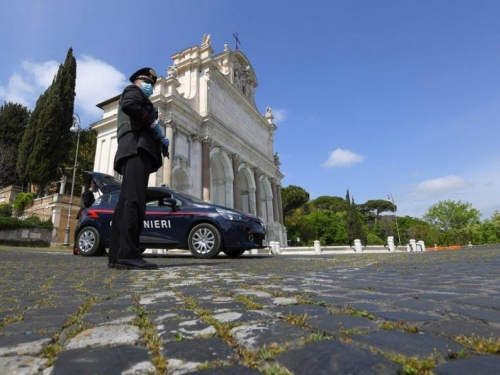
(413, 365)
(276, 369)
(399, 325)
(480, 344)
(9, 319)
(149, 335)
(72, 327)
(315, 337)
(297, 320)
(211, 364)
(249, 302)
(349, 310)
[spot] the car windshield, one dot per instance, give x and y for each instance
(192, 198)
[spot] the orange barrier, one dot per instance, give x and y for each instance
(453, 247)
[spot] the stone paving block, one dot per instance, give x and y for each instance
(227, 370)
(23, 344)
(310, 310)
(169, 329)
(334, 324)
(332, 357)
(420, 304)
(411, 317)
(408, 344)
(488, 302)
(213, 305)
(107, 317)
(106, 335)
(36, 324)
(275, 333)
(21, 365)
(490, 316)
(198, 351)
(284, 301)
(371, 297)
(123, 359)
(246, 316)
(454, 327)
(486, 364)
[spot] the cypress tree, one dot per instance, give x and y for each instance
(48, 138)
(354, 225)
(13, 122)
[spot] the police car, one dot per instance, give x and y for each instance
(173, 220)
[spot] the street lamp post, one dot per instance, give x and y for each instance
(75, 128)
(391, 199)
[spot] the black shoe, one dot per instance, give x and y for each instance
(111, 265)
(134, 264)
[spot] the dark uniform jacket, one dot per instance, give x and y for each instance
(135, 115)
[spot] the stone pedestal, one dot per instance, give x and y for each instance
(357, 246)
(413, 245)
(317, 247)
(390, 243)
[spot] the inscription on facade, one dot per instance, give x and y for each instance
(238, 119)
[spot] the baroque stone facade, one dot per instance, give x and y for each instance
(221, 146)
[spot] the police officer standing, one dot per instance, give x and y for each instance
(140, 145)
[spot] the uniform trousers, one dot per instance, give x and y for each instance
(128, 218)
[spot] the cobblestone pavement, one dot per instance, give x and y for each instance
(350, 314)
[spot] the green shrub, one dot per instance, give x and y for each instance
(5, 210)
(373, 239)
(32, 222)
(22, 200)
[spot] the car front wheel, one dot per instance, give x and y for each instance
(88, 242)
(204, 241)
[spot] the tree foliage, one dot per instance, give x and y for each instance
(454, 217)
(333, 204)
(293, 197)
(48, 139)
(13, 122)
(355, 229)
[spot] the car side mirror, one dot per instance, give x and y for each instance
(170, 202)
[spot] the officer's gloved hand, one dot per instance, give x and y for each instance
(157, 131)
(164, 147)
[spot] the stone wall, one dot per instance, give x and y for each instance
(26, 237)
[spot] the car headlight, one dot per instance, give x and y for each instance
(231, 215)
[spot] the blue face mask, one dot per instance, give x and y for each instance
(147, 89)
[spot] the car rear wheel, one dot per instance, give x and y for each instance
(88, 242)
(204, 241)
(233, 253)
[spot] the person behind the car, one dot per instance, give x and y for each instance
(88, 198)
(139, 153)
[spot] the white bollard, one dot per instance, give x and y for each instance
(390, 242)
(317, 247)
(422, 245)
(470, 244)
(277, 247)
(272, 247)
(413, 245)
(357, 246)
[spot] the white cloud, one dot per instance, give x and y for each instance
(96, 81)
(280, 115)
(441, 185)
(343, 158)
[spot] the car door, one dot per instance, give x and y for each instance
(161, 225)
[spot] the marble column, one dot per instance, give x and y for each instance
(280, 205)
(236, 182)
(276, 216)
(205, 169)
(167, 163)
(258, 203)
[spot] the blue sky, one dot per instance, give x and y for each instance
(372, 96)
